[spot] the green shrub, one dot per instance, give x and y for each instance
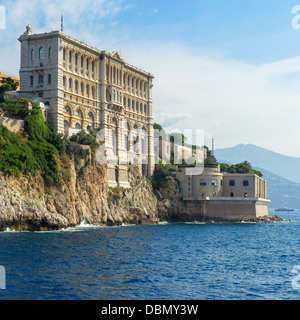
(160, 177)
(40, 153)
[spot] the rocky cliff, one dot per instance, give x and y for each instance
(26, 203)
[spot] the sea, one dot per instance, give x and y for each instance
(182, 261)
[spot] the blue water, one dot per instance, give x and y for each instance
(172, 261)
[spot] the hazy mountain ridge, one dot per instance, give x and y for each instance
(282, 191)
(281, 165)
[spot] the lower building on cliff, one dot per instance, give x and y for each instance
(222, 196)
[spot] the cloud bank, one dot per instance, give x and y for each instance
(234, 101)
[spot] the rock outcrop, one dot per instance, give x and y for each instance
(27, 204)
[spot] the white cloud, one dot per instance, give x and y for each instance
(234, 101)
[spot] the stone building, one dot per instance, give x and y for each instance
(85, 88)
(223, 196)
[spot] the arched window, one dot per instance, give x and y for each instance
(78, 126)
(81, 62)
(137, 107)
(66, 124)
(79, 113)
(64, 54)
(143, 146)
(32, 54)
(70, 56)
(126, 142)
(70, 84)
(40, 79)
(90, 116)
(64, 81)
(107, 72)
(76, 59)
(93, 92)
(68, 110)
(87, 64)
(128, 103)
(141, 108)
(133, 104)
(81, 88)
(41, 53)
(76, 86)
(87, 90)
(145, 109)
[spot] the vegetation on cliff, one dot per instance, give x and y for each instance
(38, 149)
(35, 150)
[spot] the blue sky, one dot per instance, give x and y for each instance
(230, 67)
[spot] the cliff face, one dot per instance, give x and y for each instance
(27, 204)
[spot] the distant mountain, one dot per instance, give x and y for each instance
(281, 192)
(281, 165)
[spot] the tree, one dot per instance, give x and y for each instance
(240, 168)
(8, 84)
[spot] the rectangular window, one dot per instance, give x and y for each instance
(214, 182)
(203, 182)
(49, 78)
(31, 80)
(245, 183)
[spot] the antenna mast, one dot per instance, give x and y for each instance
(62, 23)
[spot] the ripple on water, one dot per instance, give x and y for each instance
(169, 261)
